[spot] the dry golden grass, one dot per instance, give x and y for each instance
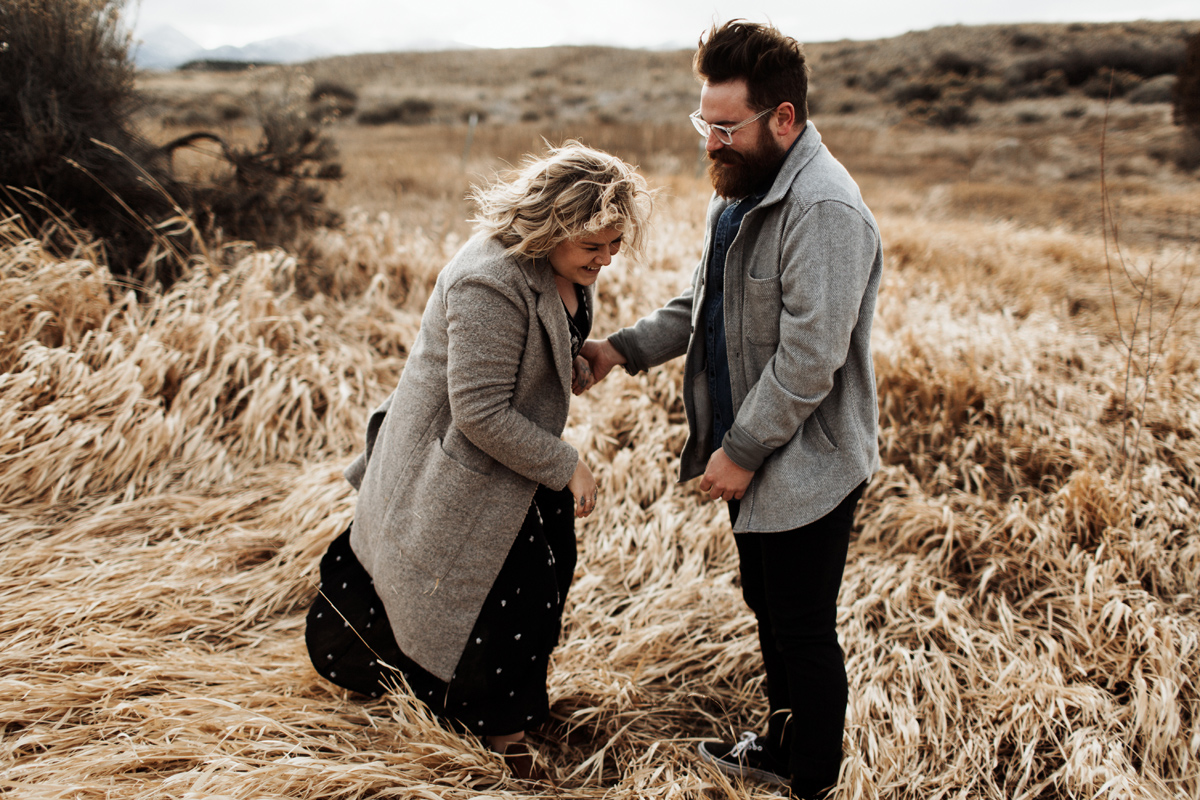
(1020, 608)
(1019, 616)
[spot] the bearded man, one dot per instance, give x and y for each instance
(779, 385)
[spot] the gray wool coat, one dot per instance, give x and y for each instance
(455, 454)
(801, 280)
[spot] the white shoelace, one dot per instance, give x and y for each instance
(749, 741)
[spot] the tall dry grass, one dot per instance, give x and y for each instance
(1020, 618)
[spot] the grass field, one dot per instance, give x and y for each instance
(1021, 607)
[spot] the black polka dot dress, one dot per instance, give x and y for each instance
(499, 686)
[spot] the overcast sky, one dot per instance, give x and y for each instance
(626, 23)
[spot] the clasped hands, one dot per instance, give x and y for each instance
(592, 365)
(723, 479)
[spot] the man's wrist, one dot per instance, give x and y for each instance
(624, 348)
(619, 358)
(743, 450)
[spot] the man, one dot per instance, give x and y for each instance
(779, 386)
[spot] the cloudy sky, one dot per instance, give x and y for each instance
(627, 23)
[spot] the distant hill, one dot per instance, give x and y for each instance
(950, 77)
(165, 48)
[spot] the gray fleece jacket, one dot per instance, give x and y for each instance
(801, 279)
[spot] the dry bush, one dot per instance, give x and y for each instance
(1187, 88)
(66, 97)
(410, 111)
(331, 100)
(1082, 64)
(73, 153)
(270, 193)
(1187, 106)
(563, 84)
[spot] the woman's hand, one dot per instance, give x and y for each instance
(583, 486)
(581, 376)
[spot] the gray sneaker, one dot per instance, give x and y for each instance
(747, 758)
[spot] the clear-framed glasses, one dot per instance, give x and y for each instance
(724, 134)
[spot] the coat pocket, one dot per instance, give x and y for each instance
(461, 450)
(763, 306)
(820, 432)
(437, 513)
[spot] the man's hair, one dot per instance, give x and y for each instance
(568, 193)
(773, 65)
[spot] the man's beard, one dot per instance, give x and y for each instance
(735, 175)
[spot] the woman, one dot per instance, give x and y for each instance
(454, 572)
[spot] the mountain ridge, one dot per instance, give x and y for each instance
(167, 48)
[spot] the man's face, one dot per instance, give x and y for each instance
(738, 169)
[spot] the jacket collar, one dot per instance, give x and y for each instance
(803, 151)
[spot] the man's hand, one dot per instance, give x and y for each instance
(724, 479)
(602, 356)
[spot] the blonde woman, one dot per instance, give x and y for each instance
(456, 567)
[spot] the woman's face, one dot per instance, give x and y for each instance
(579, 260)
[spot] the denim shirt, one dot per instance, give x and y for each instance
(714, 315)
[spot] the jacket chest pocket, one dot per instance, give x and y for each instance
(764, 304)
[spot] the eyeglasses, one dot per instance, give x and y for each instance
(724, 134)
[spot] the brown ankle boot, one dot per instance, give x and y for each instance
(521, 760)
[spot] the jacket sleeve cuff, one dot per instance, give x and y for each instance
(624, 343)
(564, 469)
(744, 450)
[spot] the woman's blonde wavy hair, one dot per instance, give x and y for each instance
(568, 193)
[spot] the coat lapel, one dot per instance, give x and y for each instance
(552, 315)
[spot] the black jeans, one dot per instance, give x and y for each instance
(790, 580)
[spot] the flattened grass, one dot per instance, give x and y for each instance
(1018, 613)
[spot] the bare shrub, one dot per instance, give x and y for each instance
(950, 62)
(1078, 65)
(66, 96)
(331, 99)
(921, 90)
(950, 114)
(1187, 88)
(993, 90)
(1154, 90)
(942, 102)
(72, 155)
(410, 111)
(1186, 111)
(1110, 83)
(221, 65)
(882, 81)
(1023, 40)
(1187, 155)
(273, 194)
(1144, 336)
